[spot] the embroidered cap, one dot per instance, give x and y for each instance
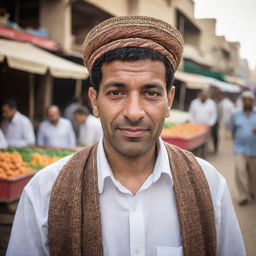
(133, 31)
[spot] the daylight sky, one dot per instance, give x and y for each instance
(236, 19)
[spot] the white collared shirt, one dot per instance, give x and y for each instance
(203, 112)
(19, 131)
(60, 135)
(145, 224)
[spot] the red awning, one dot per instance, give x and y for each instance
(23, 36)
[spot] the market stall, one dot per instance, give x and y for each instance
(18, 165)
(188, 136)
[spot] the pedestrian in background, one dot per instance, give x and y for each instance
(203, 110)
(56, 131)
(17, 128)
(227, 109)
(90, 130)
(243, 125)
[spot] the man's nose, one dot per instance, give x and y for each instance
(133, 109)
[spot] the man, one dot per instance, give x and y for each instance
(56, 131)
(90, 129)
(227, 109)
(69, 110)
(243, 126)
(203, 110)
(130, 194)
(17, 128)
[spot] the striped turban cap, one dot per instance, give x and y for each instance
(133, 31)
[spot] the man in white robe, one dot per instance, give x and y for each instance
(17, 128)
(56, 131)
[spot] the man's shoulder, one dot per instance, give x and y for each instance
(216, 182)
(20, 117)
(65, 121)
(44, 124)
(211, 102)
(195, 101)
(209, 170)
(237, 112)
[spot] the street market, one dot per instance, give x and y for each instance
(134, 119)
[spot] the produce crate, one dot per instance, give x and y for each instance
(188, 143)
(11, 188)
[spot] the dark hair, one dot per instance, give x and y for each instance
(130, 54)
(82, 111)
(10, 103)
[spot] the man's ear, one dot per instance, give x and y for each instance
(93, 99)
(170, 97)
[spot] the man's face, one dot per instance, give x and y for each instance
(8, 112)
(203, 96)
(53, 114)
(132, 104)
(248, 103)
(80, 118)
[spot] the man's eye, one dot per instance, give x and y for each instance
(152, 94)
(114, 93)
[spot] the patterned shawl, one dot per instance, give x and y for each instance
(74, 222)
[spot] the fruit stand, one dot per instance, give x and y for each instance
(18, 165)
(188, 136)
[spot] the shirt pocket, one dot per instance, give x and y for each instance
(169, 251)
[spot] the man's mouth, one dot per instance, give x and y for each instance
(133, 132)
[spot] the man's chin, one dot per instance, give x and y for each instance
(133, 147)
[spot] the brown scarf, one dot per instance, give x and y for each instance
(74, 222)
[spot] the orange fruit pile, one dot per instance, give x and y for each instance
(43, 160)
(184, 130)
(12, 165)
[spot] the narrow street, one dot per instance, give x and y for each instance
(224, 162)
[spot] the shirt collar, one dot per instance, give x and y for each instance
(15, 117)
(162, 165)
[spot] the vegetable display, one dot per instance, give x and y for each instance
(19, 161)
(185, 130)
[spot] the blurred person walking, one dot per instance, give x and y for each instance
(243, 125)
(227, 109)
(203, 110)
(90, 130)
(17, 128)
(56, 131)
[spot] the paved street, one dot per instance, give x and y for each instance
(224, 162)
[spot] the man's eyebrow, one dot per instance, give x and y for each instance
(153, 86)
(114, 84)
